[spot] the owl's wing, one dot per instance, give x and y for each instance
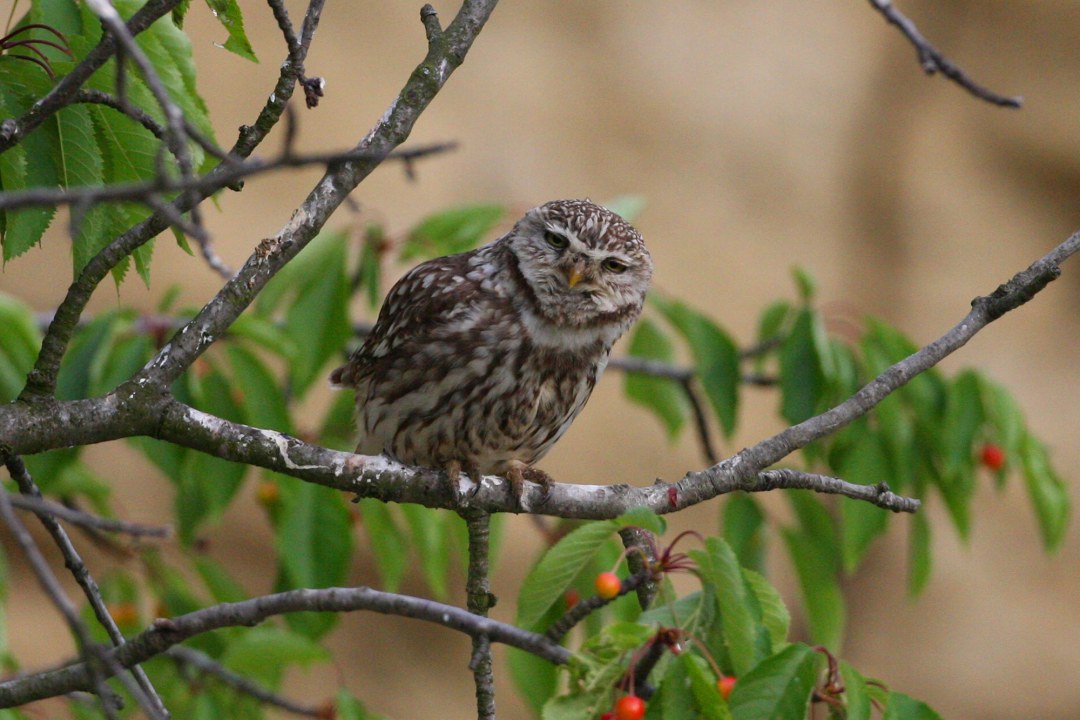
(437, 301)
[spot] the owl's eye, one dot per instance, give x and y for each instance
(555, 240)
(614, 266)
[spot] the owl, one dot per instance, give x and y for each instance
(481, 360)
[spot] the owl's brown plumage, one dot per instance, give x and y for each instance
(483, 359)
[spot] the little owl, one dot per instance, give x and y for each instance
(480, 361)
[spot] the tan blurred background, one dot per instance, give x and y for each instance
(762, 135)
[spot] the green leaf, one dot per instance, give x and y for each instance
(349, 708)
(919, 559)
(779, 687)
(744, 634)
(805, 283)
(1048, 492)
(774, 614)
(314, 540)
(856, 698)
(28, 164)
(388, 544)
(450, 231)
(861, 522)
(536, 679)
(710, 705)
(263, 400)
(223, 588)
(715, 356)
(664, 397)
(265, 652)
(549, 578)
(744, 530)
(902, 707)
(641, 517)
(228, 14)
(802, 379)
(814, 552)
(313, 535)
(427, 527)
(317, 319)
(19, 345)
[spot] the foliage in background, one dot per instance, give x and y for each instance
(925, 440)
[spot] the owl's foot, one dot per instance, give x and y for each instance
(453, 470)
(518, 474)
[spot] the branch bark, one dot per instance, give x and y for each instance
(165, 633)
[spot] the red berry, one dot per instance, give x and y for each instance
(608, 716)
(630, 707)
(993, 456)
(725, 685)
(571, 598)
(608, 585)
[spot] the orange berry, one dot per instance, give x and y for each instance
(123, 613)
(725, 685)
(608, 585)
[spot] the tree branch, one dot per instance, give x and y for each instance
(480, 600)
(40, 506)
(41, 382)
(933, 61)
(164, 633)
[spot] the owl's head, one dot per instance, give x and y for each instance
(584, 263)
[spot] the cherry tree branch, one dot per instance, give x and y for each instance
(139, 408)
(932, 61)
(165, 633)
(142, 689)
(41, 382)
(40, 506)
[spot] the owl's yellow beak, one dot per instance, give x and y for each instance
(573, 277)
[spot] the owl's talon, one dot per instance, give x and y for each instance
(542, 479)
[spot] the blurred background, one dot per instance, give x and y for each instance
(761, 136)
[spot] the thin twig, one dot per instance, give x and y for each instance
(701, 422)
(932, 61)
(142, 689)
(41, 506)
(591, 604)
(222, 176)
(206, 664)
(51, 585)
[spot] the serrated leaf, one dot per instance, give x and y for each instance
(313, 535)
(774, 614)
(710, 705)
(802, 379)
(664, 397)
(552, 575)
(427, 528)
(19, 345)
(715, 356)
(744, 528)
(228, 14)
(263, 399)
(744, 634)
(861, 522)
(902, 707)
(779, 687)
(1048, 492)
(816, 569)
(450, 231)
